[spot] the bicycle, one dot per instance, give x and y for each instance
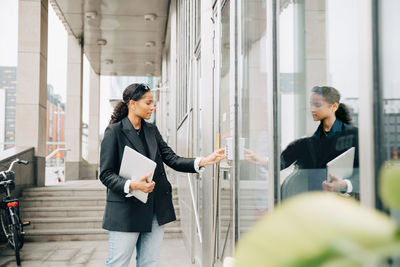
(9, 211)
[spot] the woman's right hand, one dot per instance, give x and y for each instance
(143, 185)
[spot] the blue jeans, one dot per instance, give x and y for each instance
(148, 246)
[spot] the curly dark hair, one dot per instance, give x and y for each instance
(331, 95)
(133, 92)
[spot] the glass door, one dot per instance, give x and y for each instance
(197, 183)
(224, 125)
(253, 135)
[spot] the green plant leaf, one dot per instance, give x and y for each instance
(315, 229)
(389, 188)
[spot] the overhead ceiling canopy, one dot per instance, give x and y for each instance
(133, 45)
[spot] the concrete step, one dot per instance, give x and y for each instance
(245, 221)
(245, 210)
(76, 201)
(86, 211)
(39, 212)
(52, 235)
(64, 201)
(75, 223)
(59, 191)
(248, 196)
(61, 213)
(63, 191)
(246, 201)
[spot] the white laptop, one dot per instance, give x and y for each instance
(342, 166)
(135, 166)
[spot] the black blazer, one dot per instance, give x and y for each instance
(129, 214)
(313, 153)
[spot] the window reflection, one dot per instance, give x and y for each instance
(318, 63)
(226, 230)
(253, 135)
(390, 58)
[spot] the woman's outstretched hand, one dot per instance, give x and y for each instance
(142, 184)
(335, 184)
(213, 158)
(252, 157)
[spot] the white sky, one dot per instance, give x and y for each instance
(9, 32)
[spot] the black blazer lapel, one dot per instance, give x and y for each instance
(150, 140)
(134, 139)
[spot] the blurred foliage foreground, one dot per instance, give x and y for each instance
(325, 229)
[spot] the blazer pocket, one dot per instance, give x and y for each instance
(114, 197)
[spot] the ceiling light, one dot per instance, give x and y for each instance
(108, 61)
(150, 17)
(150, 44)
(101, 42)
(149, 63)
(91, 14)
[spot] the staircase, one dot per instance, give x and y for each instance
(73, 212)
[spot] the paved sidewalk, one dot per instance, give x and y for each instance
(86, 254)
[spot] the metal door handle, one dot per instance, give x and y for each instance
(225, 168)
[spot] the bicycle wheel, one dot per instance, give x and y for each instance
(6, 223)
(16, 235)
(8, 228)
(3, 234)
(20, 229)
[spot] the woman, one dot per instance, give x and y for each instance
(334, 135)
(130, 222)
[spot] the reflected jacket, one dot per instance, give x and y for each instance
(311, 154)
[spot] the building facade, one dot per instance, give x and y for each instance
(239, 75)
(55, 114)
(8, 84)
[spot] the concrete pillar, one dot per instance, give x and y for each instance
(32, 81)
(73, 110)
(367, 102)
(94, 109)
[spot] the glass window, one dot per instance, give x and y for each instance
(184, 23)
(253, 133)
(197, 4)
(318, 76)
(390, 79)
(225, 240)
(389, 44)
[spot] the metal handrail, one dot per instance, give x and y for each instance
(49, 156)
(217, 167)
(196, 216)
(188, 118)
(216, 206)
